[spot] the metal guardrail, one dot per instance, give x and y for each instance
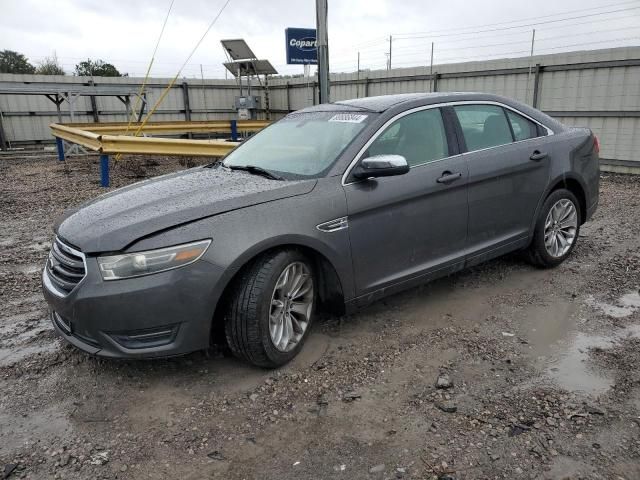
(110, 144)
(168, 128)
(108, 138)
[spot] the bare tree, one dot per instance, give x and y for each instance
(50, 66)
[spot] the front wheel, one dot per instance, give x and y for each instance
(271, 309)
(556, 230)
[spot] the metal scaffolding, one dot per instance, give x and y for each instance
(59, 93)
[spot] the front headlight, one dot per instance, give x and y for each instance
(115, 267)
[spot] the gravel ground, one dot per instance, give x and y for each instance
(502, 371)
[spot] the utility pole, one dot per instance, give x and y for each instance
(390, 45)
(358, 78)
(323, 50)
(431, 71)
(533, 39)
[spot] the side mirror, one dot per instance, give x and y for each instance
(381, 166)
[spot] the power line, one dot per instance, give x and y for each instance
(383, 43)
(413, 36)
(503, 54)
(528, 32)
(614, 5)
(415, 52)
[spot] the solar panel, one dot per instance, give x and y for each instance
(237, 49)
(250, 67)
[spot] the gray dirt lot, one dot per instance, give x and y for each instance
(544, 365)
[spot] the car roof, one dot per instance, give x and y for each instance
(383, 103)
(392, 104)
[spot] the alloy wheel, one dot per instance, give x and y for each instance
(291, 306)
(560, 228)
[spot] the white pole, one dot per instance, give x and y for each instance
(322, 38)
(431, 71)
(358, 78)
(204, 95)
(533, 39)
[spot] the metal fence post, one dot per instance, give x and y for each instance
(288, 98)
(60, 146)
(94, 105)
(104, 170)
(435, 82)
(234, 130)
(266, 98)
(536, 85)
(185, 96)
(3, 136)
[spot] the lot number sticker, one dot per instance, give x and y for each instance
(348, 118)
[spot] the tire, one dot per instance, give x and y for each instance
(254, 302)
(552, 253)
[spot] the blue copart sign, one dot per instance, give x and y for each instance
(301, 46)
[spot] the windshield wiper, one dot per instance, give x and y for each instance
(255, 170)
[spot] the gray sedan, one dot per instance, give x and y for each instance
(332, 207)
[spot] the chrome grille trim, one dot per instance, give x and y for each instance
(66, 267)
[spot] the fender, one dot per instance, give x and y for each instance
(560, 178)
(340, 264)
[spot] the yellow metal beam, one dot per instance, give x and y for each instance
(88, 140)
(167, 128)
(142, 145)
(165, 146)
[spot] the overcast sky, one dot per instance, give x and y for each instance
(125, 32)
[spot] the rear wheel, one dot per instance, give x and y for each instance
(271, 309)
(556, 230)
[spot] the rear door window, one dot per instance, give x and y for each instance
(523, 128)
(419, 137)
(483, 126)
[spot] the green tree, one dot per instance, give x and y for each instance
(97, 68)
(14, 62)
(50, 66)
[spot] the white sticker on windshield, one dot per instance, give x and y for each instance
(348, 118)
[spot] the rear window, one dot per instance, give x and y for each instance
(523, 128)
(483, 126)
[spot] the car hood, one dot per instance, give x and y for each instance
(112, 221)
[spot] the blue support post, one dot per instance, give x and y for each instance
(234, 130)
(104, 170)
(60, 146)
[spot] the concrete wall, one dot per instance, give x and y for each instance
(599, 89)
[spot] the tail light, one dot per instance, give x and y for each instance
(596, 144)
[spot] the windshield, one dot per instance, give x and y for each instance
(301, 145)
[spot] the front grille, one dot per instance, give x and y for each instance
(65, 266)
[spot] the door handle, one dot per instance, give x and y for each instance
(448, 177)
(537, 155)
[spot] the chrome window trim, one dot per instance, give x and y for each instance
(358, 156)
(513, 109)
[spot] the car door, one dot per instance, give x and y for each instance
(508, 173)
(407, 226)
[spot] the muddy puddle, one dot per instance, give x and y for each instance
(12, 355)
(565, 351)
(624, 307)
(21, 337)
